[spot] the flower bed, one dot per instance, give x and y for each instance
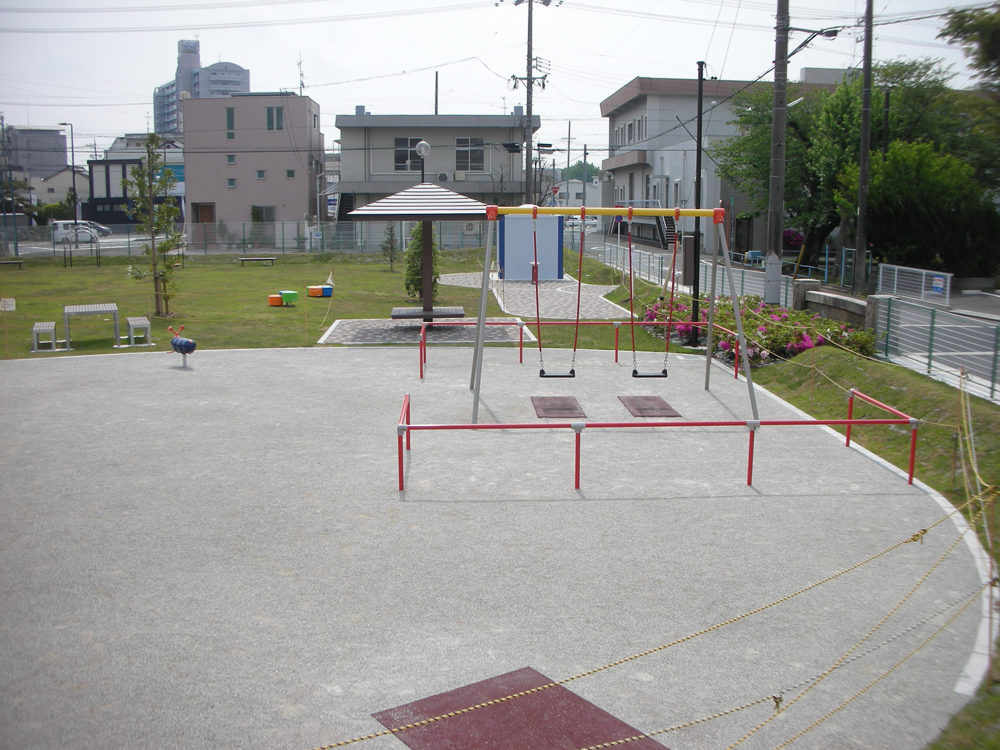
(770, 330)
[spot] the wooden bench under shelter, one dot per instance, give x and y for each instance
(269, 261)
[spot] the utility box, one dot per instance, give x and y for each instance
(518, 240)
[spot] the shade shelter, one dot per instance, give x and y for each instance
(425, 203)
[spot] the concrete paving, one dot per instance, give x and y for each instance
(220, 556)
(557, 300)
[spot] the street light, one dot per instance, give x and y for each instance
(423, 150)
(72, 145)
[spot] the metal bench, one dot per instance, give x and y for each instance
(37, 330)
(269, 261)
(139, 327)
(11, 263)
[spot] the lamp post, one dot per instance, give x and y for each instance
(423, 150)
(72, 145)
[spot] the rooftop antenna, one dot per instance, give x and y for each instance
(302, 77)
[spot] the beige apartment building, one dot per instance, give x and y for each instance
(251, 158)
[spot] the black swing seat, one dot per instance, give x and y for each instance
(637, 374)
(543, 374)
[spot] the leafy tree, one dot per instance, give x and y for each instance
(978, 32)
(413, 272)
(55, 211)
(824, 136)
(390, 245)
(576, 171)
(155, 212)
(926, 210)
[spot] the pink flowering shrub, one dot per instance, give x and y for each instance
(770, 329)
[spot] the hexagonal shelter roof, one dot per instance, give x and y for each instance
(424, 202)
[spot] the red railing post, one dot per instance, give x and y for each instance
(736, 362)
(578, 428)
(407, 421)
(753, 432)
(618, 326)
(520, 341)
(913, 448)
(404, 422)
(850, 415)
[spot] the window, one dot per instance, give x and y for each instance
(405, 157)
(261, 174)
(315, 122)
(469, 154)
(230, 123)
(275, 118)
(52, 190)
(262, 213)
(230, 158)
(631, 132)
(290, 174)
(579, 196)
(231, 182)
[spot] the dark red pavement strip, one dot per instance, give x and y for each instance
(648, 406)
(551, 719)
(558, 407)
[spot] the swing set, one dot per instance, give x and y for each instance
(493, 213)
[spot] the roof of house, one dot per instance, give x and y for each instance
(424, 202)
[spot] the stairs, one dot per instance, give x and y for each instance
(345, 206)
(666, 230)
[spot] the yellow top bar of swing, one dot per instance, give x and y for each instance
(604, 211)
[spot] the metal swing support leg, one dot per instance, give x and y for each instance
(739, 324)
(477, 357)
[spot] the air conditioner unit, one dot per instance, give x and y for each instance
(459, 176)
(442, 177)
(470, 226)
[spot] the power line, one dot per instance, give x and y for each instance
(247, 24)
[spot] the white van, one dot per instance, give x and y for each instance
(72, 231)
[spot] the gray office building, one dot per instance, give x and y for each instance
(192, 81)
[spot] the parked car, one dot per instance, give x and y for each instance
(589, 222)
(99, 228)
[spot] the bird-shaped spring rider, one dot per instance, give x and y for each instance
(180, 344)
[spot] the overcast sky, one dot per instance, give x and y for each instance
(95, 62)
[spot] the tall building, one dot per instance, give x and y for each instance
(191, 81)
(35, 152)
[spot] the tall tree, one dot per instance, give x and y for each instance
(926, 210)
(576, 171)
(978, 32)
(824, 133)
(149, 203)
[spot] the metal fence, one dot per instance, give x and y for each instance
(240, 238)
(655, 268)
(937, 341)
(916, 283)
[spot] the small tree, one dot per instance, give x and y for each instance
(390, 245)
(413, 273)
(153, 209)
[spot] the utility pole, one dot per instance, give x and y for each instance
(776, 196)
(860, 284)
(529, 81)
(584, 201)
(435, 92)
(697, 219)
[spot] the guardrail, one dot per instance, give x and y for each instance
(917, 283)
(405, 428)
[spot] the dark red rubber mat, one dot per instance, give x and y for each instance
(551, 719)
(558, 407)
(648, 406)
